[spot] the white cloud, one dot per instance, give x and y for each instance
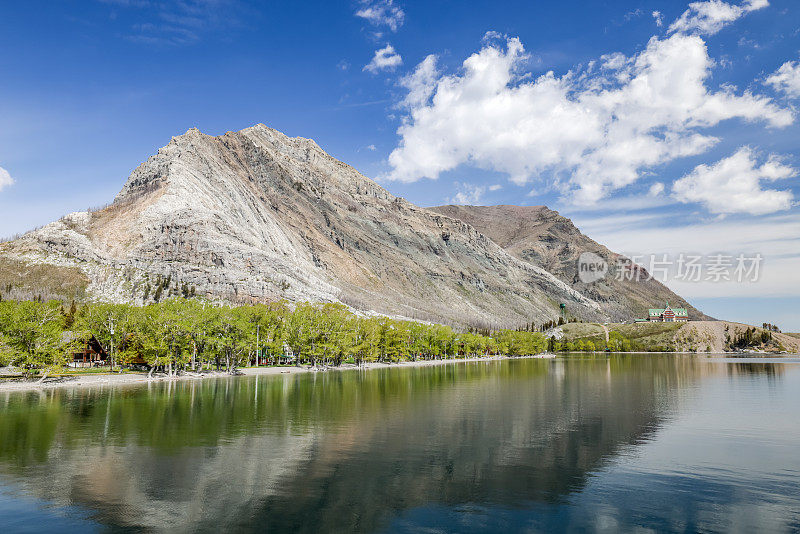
(751, 43)
(495, 187)
(5, 179)
(591, 132)
(468, 194)
(656, 189)
(733, 185)
(371, 148)
(711, 16)
(382, 13)
(614, 61)
(421, 83)
(630, 15)
(659, 18)
(385, 58)
(786, 79)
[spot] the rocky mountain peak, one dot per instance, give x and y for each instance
(255, 216)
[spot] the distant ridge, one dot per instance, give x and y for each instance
(541, 236)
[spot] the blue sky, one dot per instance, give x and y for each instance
(664, 128)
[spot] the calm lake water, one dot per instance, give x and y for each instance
(619, 443)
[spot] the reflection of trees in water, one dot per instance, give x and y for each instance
(768, 369)
(335, 451)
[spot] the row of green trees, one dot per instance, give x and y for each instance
(189, 334)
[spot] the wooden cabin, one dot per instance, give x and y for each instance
(89, 352)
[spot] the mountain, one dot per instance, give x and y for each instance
(541, 236)
(254, 216)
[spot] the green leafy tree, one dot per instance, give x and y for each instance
(6, 352)
(34, 332)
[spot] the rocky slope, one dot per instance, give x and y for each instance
(255, 216)
(542, 237)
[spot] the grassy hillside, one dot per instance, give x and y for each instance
(575, 331)
(655, 336)
(23, 281)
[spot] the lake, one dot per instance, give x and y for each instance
(584, 443)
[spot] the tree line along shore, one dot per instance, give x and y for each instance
(190, 335)
(180, 335)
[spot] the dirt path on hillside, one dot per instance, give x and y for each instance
(605, 329)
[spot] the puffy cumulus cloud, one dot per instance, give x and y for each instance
(467, 194)
(5, 179)
(385, 58)
(711, 16)
(590, 131)
(786, 79)
(382, 13)
(420, 84)
(733, 185)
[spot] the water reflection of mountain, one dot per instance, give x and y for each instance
(335, 451)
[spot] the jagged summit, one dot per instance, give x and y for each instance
(256, 215)
(238, 149)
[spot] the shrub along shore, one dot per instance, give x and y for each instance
(184, 335)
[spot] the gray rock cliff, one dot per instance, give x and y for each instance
(255, 216)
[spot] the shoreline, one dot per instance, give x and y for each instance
(134, 379)
(131, 379)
